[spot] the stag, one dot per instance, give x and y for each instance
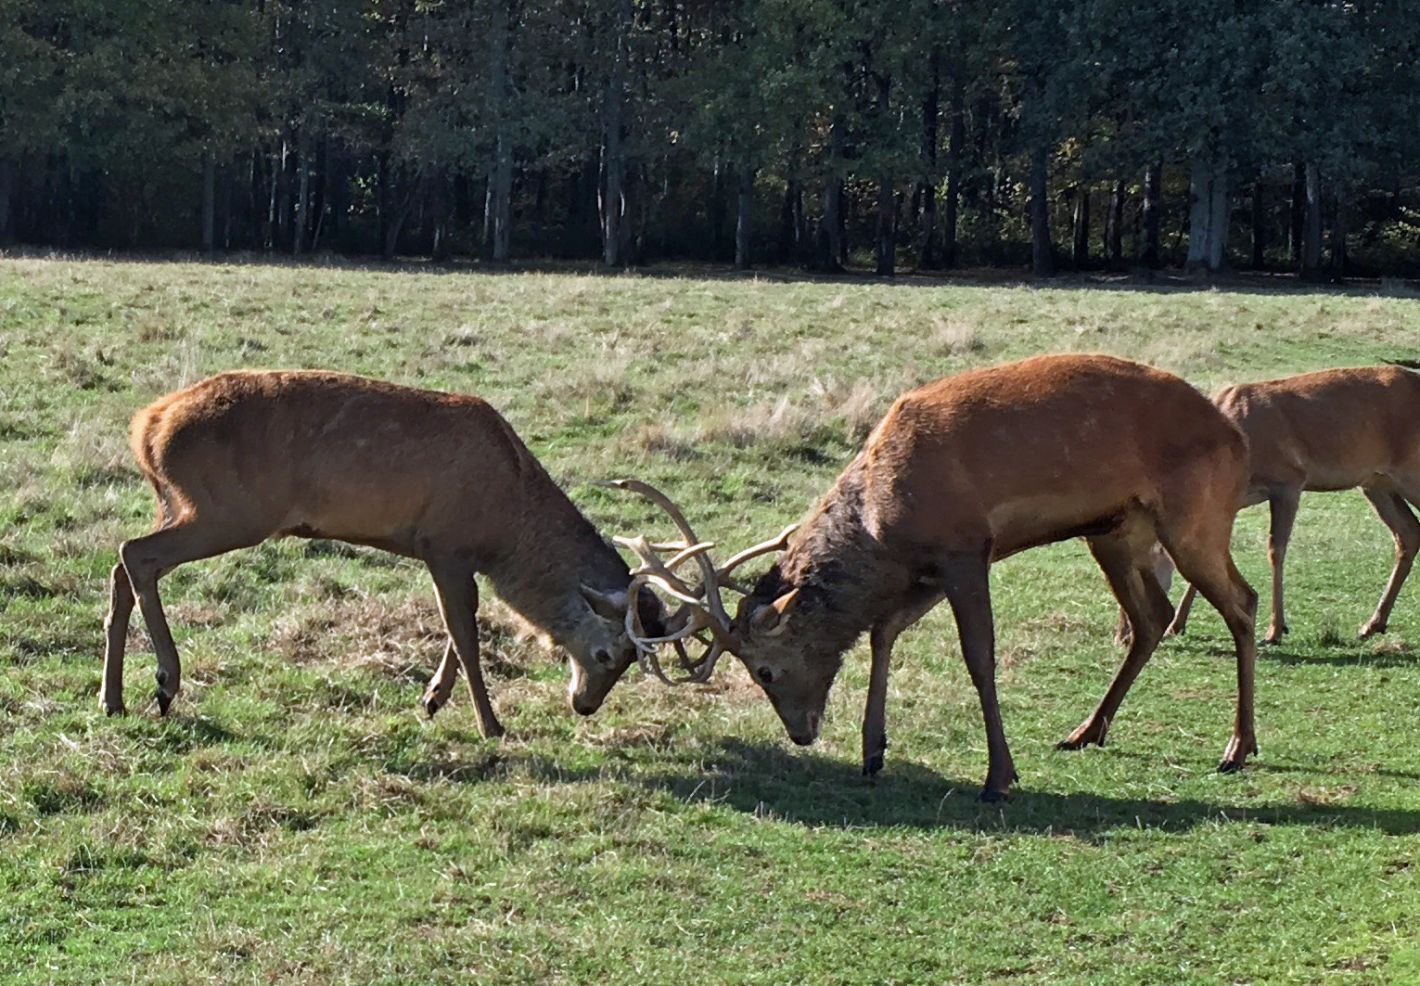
(250, 455)
(1327, 431)
(966, 471)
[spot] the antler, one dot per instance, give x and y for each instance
(701, 609)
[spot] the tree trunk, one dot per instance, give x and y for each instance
(743, 208)
(1259, 225)
(7, 197)
(1114, 228)
(209, 203)
(927, 187)
(1311, 226)
(1297, 228)
(1080, 249)
(1042, 253)
(886, 247)
(831, 230)
(500, 194)
(1338, 239)
(439, 213)
(282, 237)
(500, 181)
(955, 142)
(790, 220)
(613, 203)
(1208, 216)
(1153, 200)
(717, 209)
(300, 231)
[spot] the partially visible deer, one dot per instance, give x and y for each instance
(969, 470)
(250, 455)
(1324, 431)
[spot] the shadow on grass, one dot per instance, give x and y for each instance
(809, 789)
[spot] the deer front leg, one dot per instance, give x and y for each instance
(883, 635)
(968, 591)
(458, 601)
(1283, 504)
(441, 686)
(120, 608)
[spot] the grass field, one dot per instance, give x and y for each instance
(295, 820)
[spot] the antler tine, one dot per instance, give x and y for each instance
(709, 584)
(706, 609)
(776, 543)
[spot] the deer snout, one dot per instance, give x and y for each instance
(804, 731)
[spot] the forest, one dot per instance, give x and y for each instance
(1273, 135)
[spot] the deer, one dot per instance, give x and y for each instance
(1329, 430)
(249, 455)
(959, 474)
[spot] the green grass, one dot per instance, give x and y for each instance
(296, 821)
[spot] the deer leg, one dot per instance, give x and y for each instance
(1131, 574)
(1203, 559)
(1283, 504)
(1162, 569)
(441, 686)
(458, 601)
(1406, 529)
(1180, 615)
(149, 558)
(882, 637)
(969, 592)
(120, 607)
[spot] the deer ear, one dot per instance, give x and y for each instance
(607, 605)
(771, 619)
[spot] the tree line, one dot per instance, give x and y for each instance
(1105, 134)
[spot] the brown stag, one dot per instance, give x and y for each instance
(250, 455)
(971, 469)
(1325, 431)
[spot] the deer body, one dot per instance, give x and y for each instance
(976, 467)
(1325, 431)
(250, 455)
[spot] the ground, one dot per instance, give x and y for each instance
(296, 820)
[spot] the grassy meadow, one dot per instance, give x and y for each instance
(296, 820)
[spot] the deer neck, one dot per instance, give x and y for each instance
(552, 551)
(847, 579)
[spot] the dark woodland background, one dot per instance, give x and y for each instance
(1090, 134)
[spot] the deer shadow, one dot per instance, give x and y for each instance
(816, 791)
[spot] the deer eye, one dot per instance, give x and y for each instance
(765, 675)
(603, 657)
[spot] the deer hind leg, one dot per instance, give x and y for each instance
(1200, 550)
(1405, 528)
(146, 560)
(458, 601)
(1283, 505)
(884, 634)
(969, 593)
(1162, 568)
(1129, 563)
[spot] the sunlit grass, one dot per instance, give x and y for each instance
(296, 821)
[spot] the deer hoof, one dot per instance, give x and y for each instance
(872, 765)
(114, 710)
(430, 705)
(1370, 630)
(991, 796)
(164, 701)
